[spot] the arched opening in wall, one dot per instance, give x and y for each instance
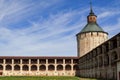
(106, 47)
(33, 68)
(106, 60)
(42, 67)
(59, 67)
(1, 67)
(8, 61)
(51, 67)
(16, 67)
(100, 61)
(16, 61)
(25, 61)
(51, 61)
(42, 61)
(1, 61)
(67, 61)
(75, 61)
(75, 67)
(114, 56)
(33, 61)
(59, 61)
(25, 68)
(8, 67)
(68, 67)
(96, 62)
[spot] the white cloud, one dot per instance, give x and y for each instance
(113, 29)
(42, 38)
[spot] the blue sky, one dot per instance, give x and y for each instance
(49, 27)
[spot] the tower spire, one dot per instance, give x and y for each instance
(91, 10)
(91, 18)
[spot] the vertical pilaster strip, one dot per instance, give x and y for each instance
(4, 66)
(55, 65)
(38, 65)
(12, 66)
(29, 65)
(64, 65)
(46, 66)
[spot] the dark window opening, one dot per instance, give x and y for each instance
(8, 61)
(59, 61)
(106, 60)
(42, 67)
(8, 67)
(42, 61)
(1, 67)
(114, 56)
(51, 67)
(16, 67)
(16, 61)
(96, 62)
(75, 67)
(106, 49)
(75, 61)
(59, 67)
(67, 61)
(25, 61)
(33, 68)
(100, 61)
(1, 61)
(68, 67)
(33, 61)
(51, 61)
(113, 44)
(25, 68)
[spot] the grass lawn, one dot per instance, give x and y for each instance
(43, 78)
(38, 78)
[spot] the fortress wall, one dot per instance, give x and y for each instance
(52, 67)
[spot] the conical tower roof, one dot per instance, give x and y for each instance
(91, 25)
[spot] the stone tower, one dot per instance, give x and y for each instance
(91, 35)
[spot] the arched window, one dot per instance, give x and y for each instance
(1, 67)
(59, 67)
(25, 68)
(75, 67)
(33, 68)
(51, 67)
(68, 67)
(16, 67)
(42, 68)
(8, 67)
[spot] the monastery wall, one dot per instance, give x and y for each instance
(38, 67)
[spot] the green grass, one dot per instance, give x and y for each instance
(43, 78)
(38, 78)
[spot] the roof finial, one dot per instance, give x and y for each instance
(91, 11)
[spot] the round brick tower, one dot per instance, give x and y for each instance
(90, 36)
